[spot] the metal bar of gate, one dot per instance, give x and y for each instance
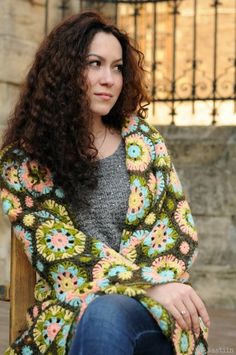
(234, 94)
(174, 57)
(194, 62)
(46, 17)
(154, 53)
(215, 62)
(135, 21)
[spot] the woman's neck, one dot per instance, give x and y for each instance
(99, 130)
(106, 139)
(98, 127)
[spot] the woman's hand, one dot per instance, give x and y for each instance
(183, 303)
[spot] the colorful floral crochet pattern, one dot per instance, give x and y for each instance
(158, 244)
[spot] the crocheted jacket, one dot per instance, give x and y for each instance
(158, 244)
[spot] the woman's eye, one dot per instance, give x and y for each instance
(119, 67)
(94, 63)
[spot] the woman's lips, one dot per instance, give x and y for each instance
(104, 95)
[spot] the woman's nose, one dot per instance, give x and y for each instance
(107, 77)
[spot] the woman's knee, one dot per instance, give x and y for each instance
(111, 308)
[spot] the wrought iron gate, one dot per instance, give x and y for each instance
(190, 47)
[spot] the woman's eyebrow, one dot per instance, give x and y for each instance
(102, 58)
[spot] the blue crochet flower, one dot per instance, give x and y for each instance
(163, 325)
(67, 278)
(201, 349)
(6, 206)
(26, 350)
(157, 311)
(116, 270)
(162, 237)
(40, 266)
(65, 332)
(184, 344)
(139, 201)
(134, 151)
(59, 193)
(144, 128)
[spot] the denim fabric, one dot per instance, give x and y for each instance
(118, 325)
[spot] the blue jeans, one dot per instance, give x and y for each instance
(118, 325)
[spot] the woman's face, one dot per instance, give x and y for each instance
(104, 73)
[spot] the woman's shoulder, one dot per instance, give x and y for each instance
(146, 140)
(14, 152)
(136, 124)
(11, 151)
(20, 172)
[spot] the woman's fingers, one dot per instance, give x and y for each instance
(178, 317)
(183, 303)
(184, 312)
(201, 309)
(194, 320)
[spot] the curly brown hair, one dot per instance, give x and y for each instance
(52, 117)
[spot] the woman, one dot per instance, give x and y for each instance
(92, 194)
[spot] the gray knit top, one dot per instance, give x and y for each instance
(104, 218)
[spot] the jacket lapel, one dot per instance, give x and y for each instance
(140, 154)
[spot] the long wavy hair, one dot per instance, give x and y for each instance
(52, 119)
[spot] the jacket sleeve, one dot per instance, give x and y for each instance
(164, 243)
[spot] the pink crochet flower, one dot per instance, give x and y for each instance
(29, 201)
(184, 248)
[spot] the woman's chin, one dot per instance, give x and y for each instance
(101, 113)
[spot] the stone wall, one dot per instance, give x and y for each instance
(22, 27)
(205, 158)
